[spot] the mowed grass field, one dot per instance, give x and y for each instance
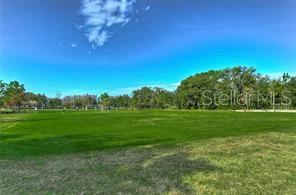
(148, 152)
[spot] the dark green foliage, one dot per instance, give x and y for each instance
(197, 89)
(291, 87)
(236, 88)
(147, 97)
(105, 100)
(2, 92)
(32, 100)
(55, 103)
(121, 101)
(163, 98)
(143, 98)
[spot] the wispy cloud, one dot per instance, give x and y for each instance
(73, 45)
(101, 15)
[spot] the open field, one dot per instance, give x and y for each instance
(148, 152)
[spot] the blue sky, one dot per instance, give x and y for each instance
(115, 46)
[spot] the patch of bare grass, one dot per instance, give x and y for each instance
(253, 164)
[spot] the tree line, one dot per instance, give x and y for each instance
(232, 88)
(236, 88)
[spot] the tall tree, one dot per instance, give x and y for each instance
(55, 103)
(42, 101)
(104, 100)
(163, 98)
(199, 91)
(14, 95)
(291, 88)
(143, 98)
(30, 100)
(2, 92)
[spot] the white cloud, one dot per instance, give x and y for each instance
(79, 27)
(100, 15)
(147, 8)
(73, 45)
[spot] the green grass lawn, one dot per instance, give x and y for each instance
(148, 152)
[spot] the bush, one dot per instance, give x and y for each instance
(6, 111)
